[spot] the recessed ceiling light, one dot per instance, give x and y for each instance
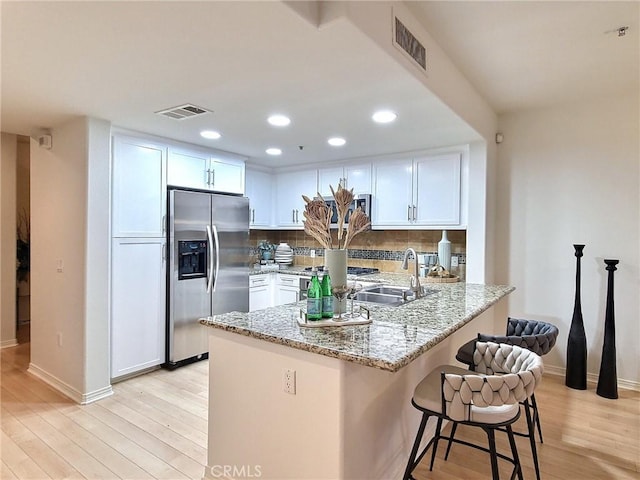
(273, 151)
(279, 120)
(384, 116)
(210, 134)
(336, 141)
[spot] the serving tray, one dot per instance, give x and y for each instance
(362, 319)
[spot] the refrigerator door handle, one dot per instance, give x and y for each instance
(210, 270)
(217, 244)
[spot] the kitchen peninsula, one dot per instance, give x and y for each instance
(350, 415)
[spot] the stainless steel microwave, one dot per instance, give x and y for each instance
(363, 201)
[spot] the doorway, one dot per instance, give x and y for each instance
(23, 234)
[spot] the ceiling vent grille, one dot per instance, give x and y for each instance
(183, 111)
(408, 43)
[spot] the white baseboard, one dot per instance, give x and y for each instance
(9, 343)
(592, 378)
(66, 389)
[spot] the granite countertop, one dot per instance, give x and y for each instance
(396, 336)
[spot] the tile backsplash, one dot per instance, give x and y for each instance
(382, 249)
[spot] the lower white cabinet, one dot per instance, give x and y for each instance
(137, 304)
(287, 289)
(260, 292)
(272, 289)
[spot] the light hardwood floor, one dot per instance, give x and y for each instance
(155, 426)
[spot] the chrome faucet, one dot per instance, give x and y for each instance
(415, 280)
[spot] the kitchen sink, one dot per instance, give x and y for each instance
(399, 291)
(380, 298)
(387, 295)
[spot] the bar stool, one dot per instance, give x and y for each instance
(487, 398)
(534, 335)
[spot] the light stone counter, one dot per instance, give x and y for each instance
(397, 335)
(289, 402)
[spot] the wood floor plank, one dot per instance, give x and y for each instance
(182, 463)
(46, 458)
(18, 462)
(167, 418)
(6, 473)
(155, 426)
(154, 465)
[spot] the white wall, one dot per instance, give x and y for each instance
(566, 175)
(67, 335)
(8, 240)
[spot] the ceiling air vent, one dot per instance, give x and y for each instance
(407, 42)
(183, 111)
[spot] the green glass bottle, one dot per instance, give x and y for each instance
(327, 297)
(314, 298)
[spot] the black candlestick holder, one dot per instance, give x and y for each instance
(576, 373)
(608, 379)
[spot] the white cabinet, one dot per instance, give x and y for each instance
(206, 170)
(137, 304)
(287, 289)
(290, 186)
(393, 194)
(357, 177)
(137, 254)
(420, 191)
(437, 190)
(260, 292)
(259, 191)
(139, 188)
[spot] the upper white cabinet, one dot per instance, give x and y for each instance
(203, 169)
(437, 190)
(357, 177)
(290, 186)
(139, 188)
(419, 191)
(259, 191)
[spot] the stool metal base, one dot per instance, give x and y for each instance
(415, 458)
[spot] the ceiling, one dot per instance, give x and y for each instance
(123, 61)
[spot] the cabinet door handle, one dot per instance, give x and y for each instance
(164, 252)
(207, 176)
(213, 177)
(408, 213)
(293, 215)
(297, 216)
(164, 224)
(253, 215)
(415, 214)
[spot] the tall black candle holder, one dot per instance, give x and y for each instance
(608, 379)
(576, 373)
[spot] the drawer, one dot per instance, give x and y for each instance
(290, 280)
(258, 280)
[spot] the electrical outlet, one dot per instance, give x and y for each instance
(59, 339)
(59, 266)
(289, 381)
(454, 261)
(312, 253)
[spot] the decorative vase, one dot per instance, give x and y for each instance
(336, 262)
(607, 379)
(444, 251)
(576, 373)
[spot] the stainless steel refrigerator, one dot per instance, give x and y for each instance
(208, 274)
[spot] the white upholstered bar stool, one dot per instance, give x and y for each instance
(487, 398)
